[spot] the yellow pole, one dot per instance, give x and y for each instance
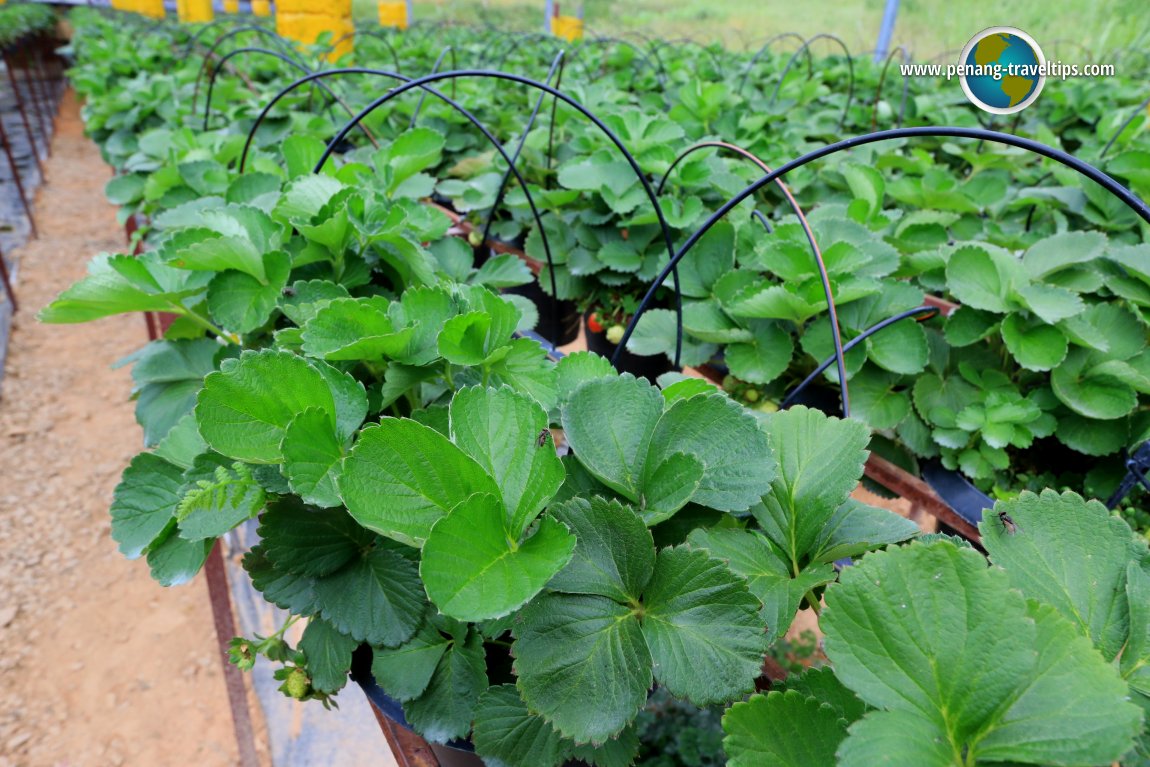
(231, 6)
(261, 8)
(153, 8)
(306, 20)
(194, 11)
(393, 14)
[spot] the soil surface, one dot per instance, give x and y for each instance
(99, 665)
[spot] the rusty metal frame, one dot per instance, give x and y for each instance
(38, 105)
(219, 595)
(8, 284)
(10, 65)
(16, 177)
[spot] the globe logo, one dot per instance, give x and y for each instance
(1002, 70)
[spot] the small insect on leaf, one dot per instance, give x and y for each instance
(541, 440)
(1008, 524)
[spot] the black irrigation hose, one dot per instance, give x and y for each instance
(660, 75)
(554, 42)
(926, 311)
(1136, 468)
(878, 90)
(557, 64)
(374, 35)
(392, 75)
(766, 47)
(479, 73)
(758, 216)
(1124, 126)
(820, 264)
(1101, 155)
(715, 60)
(288, 50)
(807, 47)
(281, 57)
(211, 52)
(1086, 169)
(434, 69)
(347, 129)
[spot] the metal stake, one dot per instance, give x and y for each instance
(225, 630)
(24, 114)
(17, 179)
(7, 283)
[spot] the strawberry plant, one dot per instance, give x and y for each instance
(529, 546)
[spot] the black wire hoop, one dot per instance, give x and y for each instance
(343, 134)
(1128, 198)
(488, 74)
(806, 47)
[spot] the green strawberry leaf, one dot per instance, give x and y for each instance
(405, 671)
(609, 423)
(729, 443)
(175, 561)
(309, 541)
(1136, 655)
(402, 477)
(1034, 344)
(377, 598)
(856, 528)
(312, 454)
(355, 329)
(820, 462)
(144, 503)
(447, 707)
(702, 626)
(786, 729)
(242, 303)
(474, 568)
(500, 429)
(211, 507)
(328, 655)
(245, 407)
(1013, 676)
(507, 734)
(582, 663)
(764, 357)
(1058, 529)
(614, 553)
(1091, 392)
(751, 555)
(982, 279)
(1060, 251)
(122, 284)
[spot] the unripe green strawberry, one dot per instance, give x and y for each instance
(475, 237)
(751, 395)
(297, 685)
(615, 333)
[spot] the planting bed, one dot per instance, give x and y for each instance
(536, 558)
(86, 678)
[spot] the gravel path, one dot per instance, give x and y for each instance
(98, 664)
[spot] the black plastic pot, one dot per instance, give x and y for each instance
(966, 499)
(641, 367)
(558, 320)
(456, 753)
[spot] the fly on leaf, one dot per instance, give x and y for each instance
(541, 440)
(1008, 524)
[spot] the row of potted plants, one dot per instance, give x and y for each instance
(528, 544)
